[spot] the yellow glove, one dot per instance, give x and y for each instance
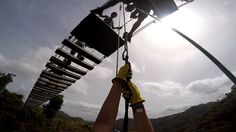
(133, 93)
(124, 73)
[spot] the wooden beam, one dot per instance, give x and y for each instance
(40, 92)
(39, 96)
(55, 80)
(52, 83)
(31, 104)
(57, 76)
(81, 51)
(73, 58)
(35, 100)
(47, 90)
(49, 87)
(38, 99)
(61, 71)
(68, 67)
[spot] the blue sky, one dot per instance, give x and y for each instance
(171, 73)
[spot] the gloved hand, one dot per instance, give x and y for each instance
(133, 94)
(134, 15)
(124, 72)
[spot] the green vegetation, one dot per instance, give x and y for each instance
(217, 116)
(15, 117)
(53, 106)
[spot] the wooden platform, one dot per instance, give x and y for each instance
(96, 34)
(164, 7)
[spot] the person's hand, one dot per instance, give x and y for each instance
(133, 93)
(124, 73)
(134, 15)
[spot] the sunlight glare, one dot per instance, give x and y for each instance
(184, 20)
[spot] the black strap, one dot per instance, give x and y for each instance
(126, 116)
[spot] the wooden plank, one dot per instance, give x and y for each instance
(60, 70)
(34, 103)
(52, 88)
(35, 100)
(81, 51)
(40, 96)
(55, 80)
(47, 90)
(31, 104)
(68, 67)
(74, 59)
(58, 77)
(43, 92)
(43, 95)
(96, 34)
(52, 83)
(164, 7)
(38, 99)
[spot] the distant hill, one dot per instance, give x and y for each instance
(210, 117)
(15, 117)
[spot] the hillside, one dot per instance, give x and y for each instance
(14, 117)
(210, 117)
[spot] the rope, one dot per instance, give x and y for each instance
(143, 27)
(125, 57)
(118, 42)
(118, 47)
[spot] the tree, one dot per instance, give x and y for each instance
(53, 106)
(5, 79)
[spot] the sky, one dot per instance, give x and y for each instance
(171, 74)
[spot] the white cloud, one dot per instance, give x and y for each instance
(162, 89)
(101, 72)
(28, 65)
(212, 86)
(137, 68)
(82, 109)
(169, 97)
(173, 110)
(80, 86)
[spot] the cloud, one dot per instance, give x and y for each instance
(217, 86)
(211, 86)
(173, 110)
(82, 109)
(28, 65)
(138, 69)
(162, 89)
(27, 68)
(172, 97)
(101, 72)
(80, 86)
